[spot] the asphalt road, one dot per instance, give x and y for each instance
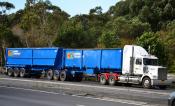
(11, 96)
(91, 90)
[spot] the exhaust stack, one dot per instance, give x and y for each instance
(132, 62)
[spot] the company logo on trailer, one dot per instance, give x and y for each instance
(73, 55)
(70, 55)
(9, 53)
(13, 53)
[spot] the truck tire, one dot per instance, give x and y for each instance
(63, 76)
(22, 73)
(50, 74)
(112, 80)
(146, 83)
(56, 75)
(103, 80)
(16, 72)
(10, 72)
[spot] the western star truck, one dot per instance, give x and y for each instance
(130, 65)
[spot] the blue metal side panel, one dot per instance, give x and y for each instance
(111, 59)
(91, 58)
(45, 62)
(72, 58)
(18, 56)
(18, 61)
(45, 53)
(44, 56)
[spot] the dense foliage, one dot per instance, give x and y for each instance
(149, 23)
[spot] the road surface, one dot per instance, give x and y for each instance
(11, 96)
(120, 94)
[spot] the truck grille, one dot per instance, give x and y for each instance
(162, 74)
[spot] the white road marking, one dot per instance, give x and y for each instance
(137, 103)
(79, 105)
(88, 86)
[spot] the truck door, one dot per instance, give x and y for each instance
(138, 66)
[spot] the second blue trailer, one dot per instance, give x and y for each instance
(93, 61)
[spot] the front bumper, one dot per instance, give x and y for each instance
(155, 82)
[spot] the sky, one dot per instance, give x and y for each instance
(72, 7)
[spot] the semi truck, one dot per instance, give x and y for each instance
(130, 65)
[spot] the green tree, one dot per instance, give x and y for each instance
(168, 12)
(74, 36)
(127, 28)
(169, 40)
(5, 6)
(135, 6)
(120, 9)
(41, 23)
(109, 40)
(7, 39)
(97, 10)
(157, 47)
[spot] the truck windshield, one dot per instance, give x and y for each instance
(150, 61)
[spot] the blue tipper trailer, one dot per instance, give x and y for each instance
(63, 64)
(22, 61)
(92, 62)
(102, 60)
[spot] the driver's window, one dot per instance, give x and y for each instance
(138, 61)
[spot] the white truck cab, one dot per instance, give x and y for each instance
(141, 67)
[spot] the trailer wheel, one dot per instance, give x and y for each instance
(56, 75)
(63, 76)
(16, 72)
(10, 72)
(22, 73)
(112, 80)
(50, 74)
(103, 80)
(146, 83)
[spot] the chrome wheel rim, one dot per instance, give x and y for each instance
(146, 83)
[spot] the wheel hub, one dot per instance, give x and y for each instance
(146, 83)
